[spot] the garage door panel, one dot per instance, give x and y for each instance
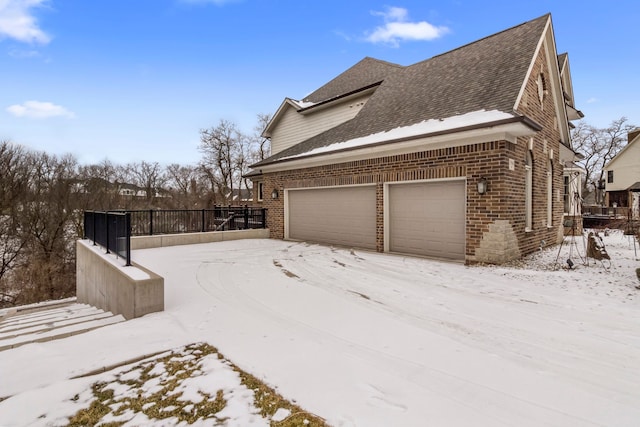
(428, 218)
(343, 216)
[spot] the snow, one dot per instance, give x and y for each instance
(133, 272)
(304, 104)
(423, 128)
(368, 339)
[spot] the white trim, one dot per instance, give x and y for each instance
(266, 133)
(528, 192)
(320, 187)
(556, 80)
(260, 195)
(385, 203)
(620, 153)
(549, 193)
(508, 132)
(530, 70)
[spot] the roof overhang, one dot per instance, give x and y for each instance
(573, 113)
(340, 98)
(287, 103)
(500, 130)
(635, 187)
(308, 108)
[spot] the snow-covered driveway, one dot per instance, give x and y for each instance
(370, 339)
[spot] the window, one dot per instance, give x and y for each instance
(550, 194)
(528, 192)
(565, 197)
(542, 88)
(609, 177)
(260, 188)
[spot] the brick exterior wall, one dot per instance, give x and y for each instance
(497, 216)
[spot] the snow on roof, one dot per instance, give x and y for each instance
(303, 104)
(423, 128)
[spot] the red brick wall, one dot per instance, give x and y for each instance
(505, 199)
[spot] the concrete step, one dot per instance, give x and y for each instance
(46, 322)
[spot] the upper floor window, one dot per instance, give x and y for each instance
(609, 177)
(528, 191)
(542, 88)
(260, 191)
(565, 195)
(550, 194)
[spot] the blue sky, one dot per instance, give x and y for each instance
(136, 80)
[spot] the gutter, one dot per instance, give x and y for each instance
(519, 119)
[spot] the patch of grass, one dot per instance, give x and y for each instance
(96, 410)
(268, 401)
(150, 387)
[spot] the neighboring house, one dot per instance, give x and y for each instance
(240, 196)
(461, 156)
(131, 190)
(622, 176)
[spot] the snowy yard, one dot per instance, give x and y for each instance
(368, 339)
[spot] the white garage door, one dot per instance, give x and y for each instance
(344, 216)
(428, 218)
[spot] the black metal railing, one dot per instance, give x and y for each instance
(175, 221)
(111, 230)
(604, 211)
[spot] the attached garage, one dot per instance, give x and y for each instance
(344, 216)
(427, 218)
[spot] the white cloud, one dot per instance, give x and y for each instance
(17, 21)
(592, 100)
(398, 28)
(22, 54)
(39, 110)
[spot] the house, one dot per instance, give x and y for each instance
(240, 196)
(622, 182)
(461, 156)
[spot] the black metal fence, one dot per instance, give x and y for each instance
(111, 230)
(604, 211)
(220, 218)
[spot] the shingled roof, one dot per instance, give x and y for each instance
(484, 75)
(365, 73)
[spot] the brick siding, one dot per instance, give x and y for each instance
(504, 202)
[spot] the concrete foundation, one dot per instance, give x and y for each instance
(498, 245)
(102, 281)
(163, 240)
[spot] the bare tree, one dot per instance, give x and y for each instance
(598, 146)
(262, 145)
(14, 180)
(46, 219)
(220, 147)
(185, 186)
(149, 177)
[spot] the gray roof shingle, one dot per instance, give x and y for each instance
(365, 73)
(486, 74)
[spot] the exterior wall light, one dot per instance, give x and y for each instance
(275, 194)
(482, 186)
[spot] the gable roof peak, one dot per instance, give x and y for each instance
(544, 17)
(364, 73)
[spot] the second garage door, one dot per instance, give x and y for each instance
(344, 216)
(427, 218)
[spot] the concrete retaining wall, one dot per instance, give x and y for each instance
(162, 240)
(102, 281)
